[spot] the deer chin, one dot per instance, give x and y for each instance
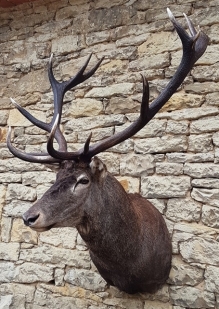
(42, 229)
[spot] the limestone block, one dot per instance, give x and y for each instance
(90, 123)
(207, 124)
(123, 302)
(118, 105)
(97, 135)
(206, 73)
(7, 272)
(22, 233)
(132, 40)
(183, 209)
(212, 279)
(6, 301)
(53, 255)
(136, 165)
(156, 61)
(31, 272)
(215, 138)
(60, 237)
(17, 165)
(20, 192)
(208, 196)
(66, 44)
(188, 157)
(10, 178)
(16, 208)
(123, 147)
(199, 250)
(191, 297)
(191, 114)
(123, 89)
(169, 168)
(202, 88)
(161, 144)
(36, 178)
(210, 216)
(184, 274)
(210, 183)
(97, 37)
(24, 290)
(59, 277)
(203, 170)
(151, 304)
(3, 117)
(2, 197)
(154, 128)
(16, 119)
(6, 223)
(200, 143)
(165, 186)
(130, 184)
(212, 99)
(86, 279)
(177, 127)
(182, 100)
(84, 107)
(9, 251)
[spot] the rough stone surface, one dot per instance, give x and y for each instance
(173, 160)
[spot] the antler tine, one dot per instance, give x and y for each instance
(59, 90)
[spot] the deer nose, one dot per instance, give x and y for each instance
(30, 220)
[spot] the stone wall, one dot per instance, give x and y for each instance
(173, 161)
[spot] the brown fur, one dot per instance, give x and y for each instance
(126, 235)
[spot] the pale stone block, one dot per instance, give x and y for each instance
(159, 204)
(10, 178)
(90, 123)
(161, 144)
(169, 168)
(165, 186)
(212, 278)
(184, 274)
(31, 272)
(183, 209)
(86, 279)
(210, 216)
(65, 44)
(36, 178)
(192, 114)
(209, 183)
(84, 107)
(191, 297)
(16, 208)
(151, 304)
(207, 196)
(22, 233)
(199, 250)
(111, 90)
(6, 301)
(182, 100)
(6, 228)
(136, 164)
(177, 127)
(2, 197)
(60, 237)
(20, 192)
(9, 251)
(201, 170)
(155, 61)
(188, 157)
(203, 125)
(118, 105)
(4, 117)
(53, 255)
(200, 143)
(7, 272)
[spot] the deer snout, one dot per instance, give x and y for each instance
(30, 220)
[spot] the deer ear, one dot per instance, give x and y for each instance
(98, 167)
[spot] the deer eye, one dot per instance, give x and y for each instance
(83, 181)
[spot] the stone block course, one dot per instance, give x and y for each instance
(173, 160)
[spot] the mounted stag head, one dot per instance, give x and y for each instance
(127, 237)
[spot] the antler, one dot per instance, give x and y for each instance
(59, 90)
(194, 45)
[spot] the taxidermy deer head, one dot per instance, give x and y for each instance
(126, 235)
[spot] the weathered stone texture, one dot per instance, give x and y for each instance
(173, 160)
